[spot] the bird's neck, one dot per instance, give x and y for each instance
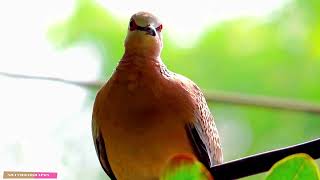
(144, 67)
(139, 59)
(143, 54)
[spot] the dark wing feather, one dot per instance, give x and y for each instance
(102, 155)
(197, 144)
(202, 130)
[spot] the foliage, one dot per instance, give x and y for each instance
(185, 167)
(297, 167)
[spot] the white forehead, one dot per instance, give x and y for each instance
(144, 18)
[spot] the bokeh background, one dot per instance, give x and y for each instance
(266, 47)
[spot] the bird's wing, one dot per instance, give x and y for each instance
(202, 132)
(100, 145)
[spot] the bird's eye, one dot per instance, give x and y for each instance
(132, 25)
(159, 28)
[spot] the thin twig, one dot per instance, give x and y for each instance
(211, 96)
(262, 162)
(263, 101)
(89, 84)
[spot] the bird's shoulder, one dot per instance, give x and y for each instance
(203, 123)
(189, 86)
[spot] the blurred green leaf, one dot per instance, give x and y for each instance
(295, 167)
(91, 23)
(185, 167)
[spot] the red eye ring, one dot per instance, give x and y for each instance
(132, 25)
(159, 28)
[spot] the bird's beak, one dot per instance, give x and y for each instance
(150, 30)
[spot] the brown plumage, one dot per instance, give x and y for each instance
(145, 114)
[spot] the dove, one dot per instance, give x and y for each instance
(144, 113)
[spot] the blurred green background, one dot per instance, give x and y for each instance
(277, 55)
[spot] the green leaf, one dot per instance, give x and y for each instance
(295, 167)
(185, 167)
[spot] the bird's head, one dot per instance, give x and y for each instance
(144, 35)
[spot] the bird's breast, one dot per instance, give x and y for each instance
(140, 144)
(144, 124)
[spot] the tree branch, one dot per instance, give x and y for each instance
(263, 101)
(212, 96)
(89, 84)
(262, 162)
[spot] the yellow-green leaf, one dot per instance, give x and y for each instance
(185, 167)
(295, 167)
